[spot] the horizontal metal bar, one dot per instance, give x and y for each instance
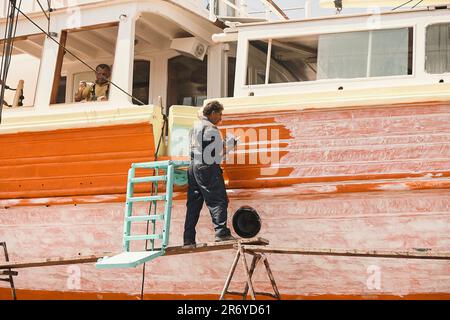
(181, 163)
(151, 165)
(8, 273)
(146, 218)
(143, 237)
(149, 179)
(146, 199)
(234, 293)
(256, 293)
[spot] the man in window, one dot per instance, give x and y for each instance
(97, 91)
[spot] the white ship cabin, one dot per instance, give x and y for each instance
(400, 48)
(189, 51)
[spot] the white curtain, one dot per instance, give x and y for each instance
(389, 53)
(363, 54)
(438, 48)
(342, 55)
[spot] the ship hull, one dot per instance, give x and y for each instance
(356, 178)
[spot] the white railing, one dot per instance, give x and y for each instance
(216, 8)
(266, 9)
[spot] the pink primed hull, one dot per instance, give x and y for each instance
(380, 220)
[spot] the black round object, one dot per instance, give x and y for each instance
(246, 222)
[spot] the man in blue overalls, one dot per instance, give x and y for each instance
(205, 179)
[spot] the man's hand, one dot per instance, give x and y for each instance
(79, 95)
(230, 143)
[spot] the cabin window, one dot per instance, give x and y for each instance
(93, 45)
(187, 81)
(24, 70)
(375, 53)
(256, 63)
(349, 55)
(437, 48)
(141, 81)
(61, 98)
(231, 73)
(293, 61)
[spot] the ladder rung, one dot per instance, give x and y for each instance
(181, 163)
(143, 237)
(146, 218)
(151, 165)
(149, 179)
(146, 199)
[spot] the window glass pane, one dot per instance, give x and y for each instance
(365, 54)
(141, 81)
(61, 97)
(256, 62)
(187, 83)
(231, 74)
(293, 60)
(438, 48)
(343, 55)
(388, 52)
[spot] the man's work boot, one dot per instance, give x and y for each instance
(189, 245)
(225, 238)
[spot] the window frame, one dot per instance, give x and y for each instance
(425, 48)
(328, 81)
(70, 75)
(39, 69)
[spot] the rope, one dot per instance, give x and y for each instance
(165, 120)
(404, 4)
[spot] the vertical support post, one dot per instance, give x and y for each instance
(154, 203)
(128, 209)
(307, 9)
(230, 274)
(255, 261)
(242, 8)
(269, 56)
(217, 72)
(58, 68)
(46, 72)
(212, 15)
(249, 280)
(122, 73)
(11, 280)
(272, 279)
(168, 207)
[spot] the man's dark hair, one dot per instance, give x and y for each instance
(213, 106)
(103, 66)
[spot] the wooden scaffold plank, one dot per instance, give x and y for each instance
(175, 250)
(411, 254)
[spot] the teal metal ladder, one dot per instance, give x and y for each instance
(128, 259)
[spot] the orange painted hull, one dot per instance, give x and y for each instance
(5, 294)
(363, 178)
